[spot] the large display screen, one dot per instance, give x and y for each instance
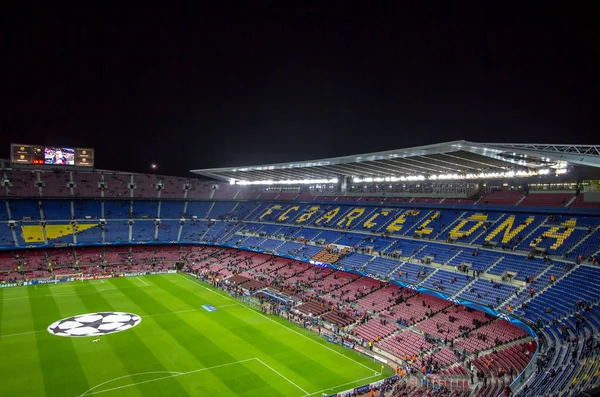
(59, 155)
(51, 155)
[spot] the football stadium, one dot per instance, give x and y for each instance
(454, 269)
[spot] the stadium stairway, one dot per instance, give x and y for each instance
(363, 267)
(394, 270)
(466, 287)
(412, 228)
(592, 237)
(519, 201)
(452, 224)
(512, 300)
(458, 252)
(533, 232)
(497, 261)
(544, 289)
(492, 227)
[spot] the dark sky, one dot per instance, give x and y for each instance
(191, 87)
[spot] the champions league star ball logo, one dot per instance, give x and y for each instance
(94, 324)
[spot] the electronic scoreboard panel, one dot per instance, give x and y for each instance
(51, 155)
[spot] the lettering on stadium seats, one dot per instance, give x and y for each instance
(557, 234)
(509, 232)
(423, 229)
(351, 216)
(477, 219)
(270, 211)
(396, 225)
(285, 216)
(328, 216)
(370, 222)
(308, 214)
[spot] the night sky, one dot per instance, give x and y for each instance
(194, 87)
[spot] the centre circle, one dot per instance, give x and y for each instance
(94, 324)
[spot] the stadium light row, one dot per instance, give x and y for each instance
(410, 178)
(455, 177)
(285, 182)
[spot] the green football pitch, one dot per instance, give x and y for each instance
(178, 348)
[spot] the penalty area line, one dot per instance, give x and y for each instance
(90, 391)
(172, 375)
(145, 283)
(343, 384)
(278, 373)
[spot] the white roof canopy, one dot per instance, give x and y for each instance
(457, 157)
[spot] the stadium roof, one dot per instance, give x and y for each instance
(442, 160)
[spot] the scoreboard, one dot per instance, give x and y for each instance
(51, 155)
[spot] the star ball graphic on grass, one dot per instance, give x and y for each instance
(94, 324)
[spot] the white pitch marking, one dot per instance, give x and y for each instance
(174, 374)
(343, 384)
(22, 333)
(61, 294)
(268, 366)
(127, 376)
(273, 321)
(23, 297)
(221, 307)
(95, 291)
(145, 283)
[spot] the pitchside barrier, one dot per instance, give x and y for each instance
(396, 380)
(74, 277)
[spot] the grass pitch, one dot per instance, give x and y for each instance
(179, 349)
